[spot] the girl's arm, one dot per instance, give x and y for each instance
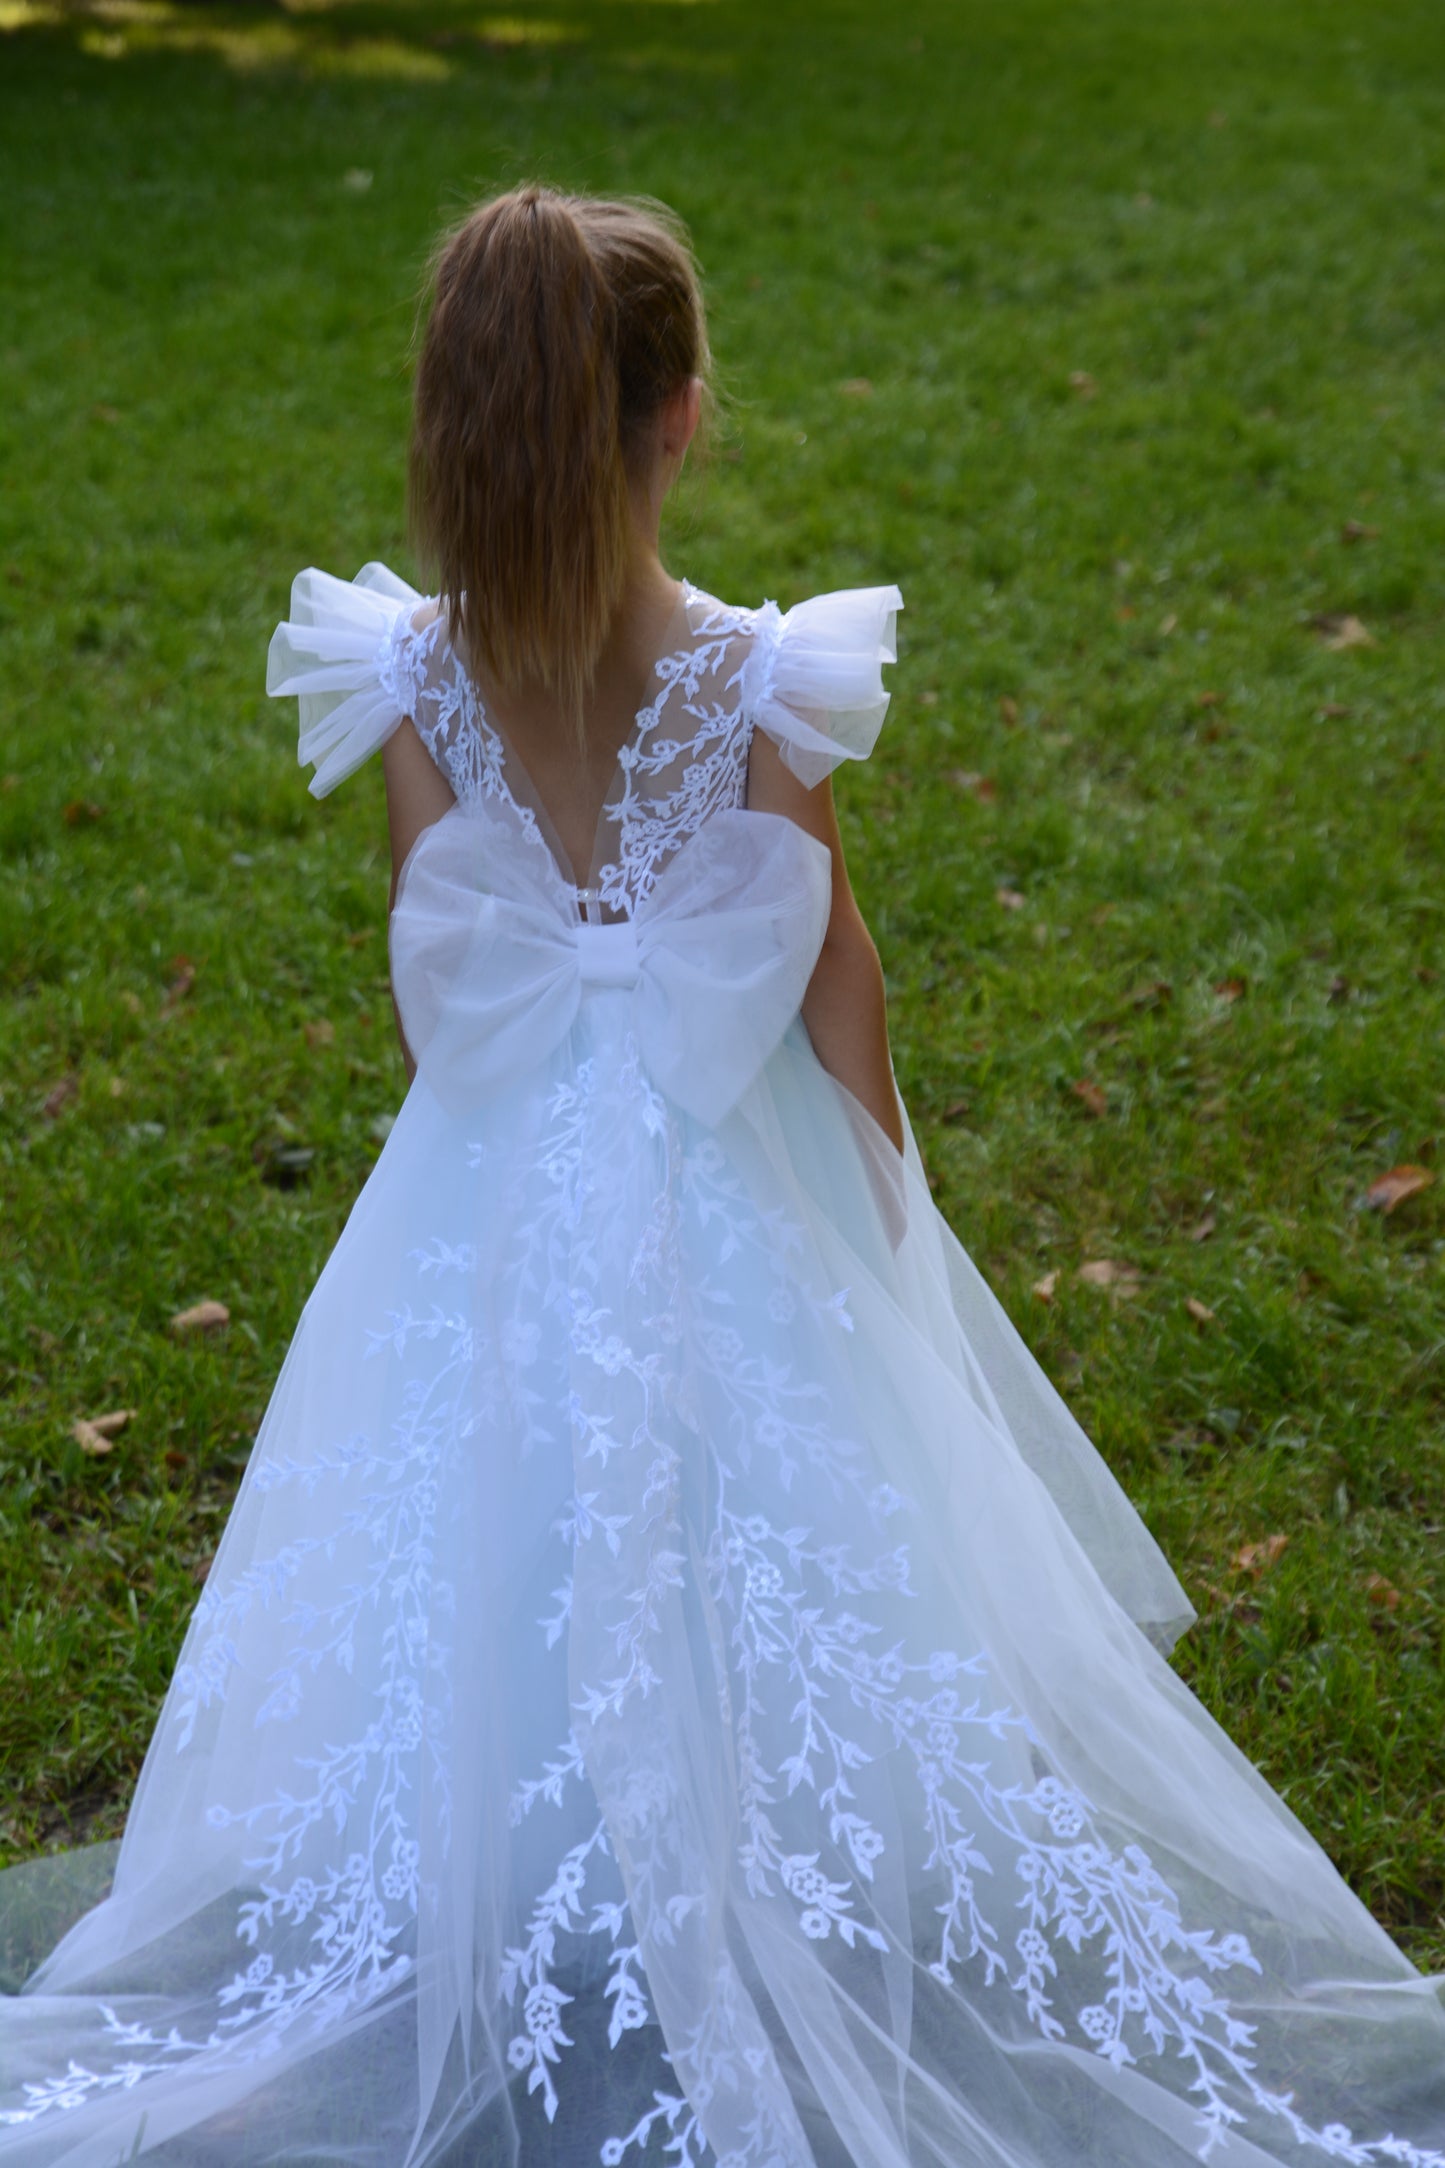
(844, 1007)
(416, 795)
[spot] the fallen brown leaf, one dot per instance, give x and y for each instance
(1093, 1097)
(1118, 1280)
(1255, 1558)
(1203, 1228)
(1388, 1190)
(1230, 989)
(59, 1097)
(96, 1434)
(1209, 700)
(1044, 1288)
(1381, 1591)
(1151, 995)
(982, 787)
(1335, 711)
(201, 1317)
(1009, 898)
(82, 809)
(955, 1110)
(1342, 631)
(319, 1032)
(1355, 530)
(1200, 1311)
(183, 978)
(1082, 384)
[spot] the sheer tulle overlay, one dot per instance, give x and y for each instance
(677, 1686)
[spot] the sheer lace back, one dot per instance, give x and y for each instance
(684, 760)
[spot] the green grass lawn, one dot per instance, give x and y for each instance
(1112, 332)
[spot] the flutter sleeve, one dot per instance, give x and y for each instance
(344, 653)
(814, 678)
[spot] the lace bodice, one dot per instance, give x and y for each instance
(363, 655)
(685, 759)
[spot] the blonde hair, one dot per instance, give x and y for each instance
(557, 326)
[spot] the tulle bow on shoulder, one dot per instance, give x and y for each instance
(340, 652)
(814, 679)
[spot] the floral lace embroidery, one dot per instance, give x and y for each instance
(813, 1689)
(622, 1340)
(706, 681)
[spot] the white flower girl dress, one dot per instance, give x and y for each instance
(677, 1686)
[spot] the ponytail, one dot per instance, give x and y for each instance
(557, 327)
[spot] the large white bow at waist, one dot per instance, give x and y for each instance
(491, 963)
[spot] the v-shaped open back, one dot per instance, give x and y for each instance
(684, 758)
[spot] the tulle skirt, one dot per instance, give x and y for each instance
(678, 1686)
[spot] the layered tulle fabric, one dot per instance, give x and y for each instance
(338, 654)
(676, 1685)
(813, 680)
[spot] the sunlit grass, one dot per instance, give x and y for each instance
(1112, 333)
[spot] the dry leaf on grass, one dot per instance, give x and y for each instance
(1355, 530)
(1009, 898)
(201, 1317)
(182, 979)
(82, 809)
(856, 387)
(1044, 1288)
(59, 1097)
(1082, 384)
(1342, 630)
(1151, 995)
(1231, 989)
(955, 1110)
(1388, 1190)
(96, 1434)
(1091, 1096)
(319, 1032)
(982, 787)
(1256, 1558)
(1381, 1591)
(1199, 1311)
(1203, 1228)
(1335, 711)
(1119, 1281)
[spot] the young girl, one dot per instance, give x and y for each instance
(677, 1685)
